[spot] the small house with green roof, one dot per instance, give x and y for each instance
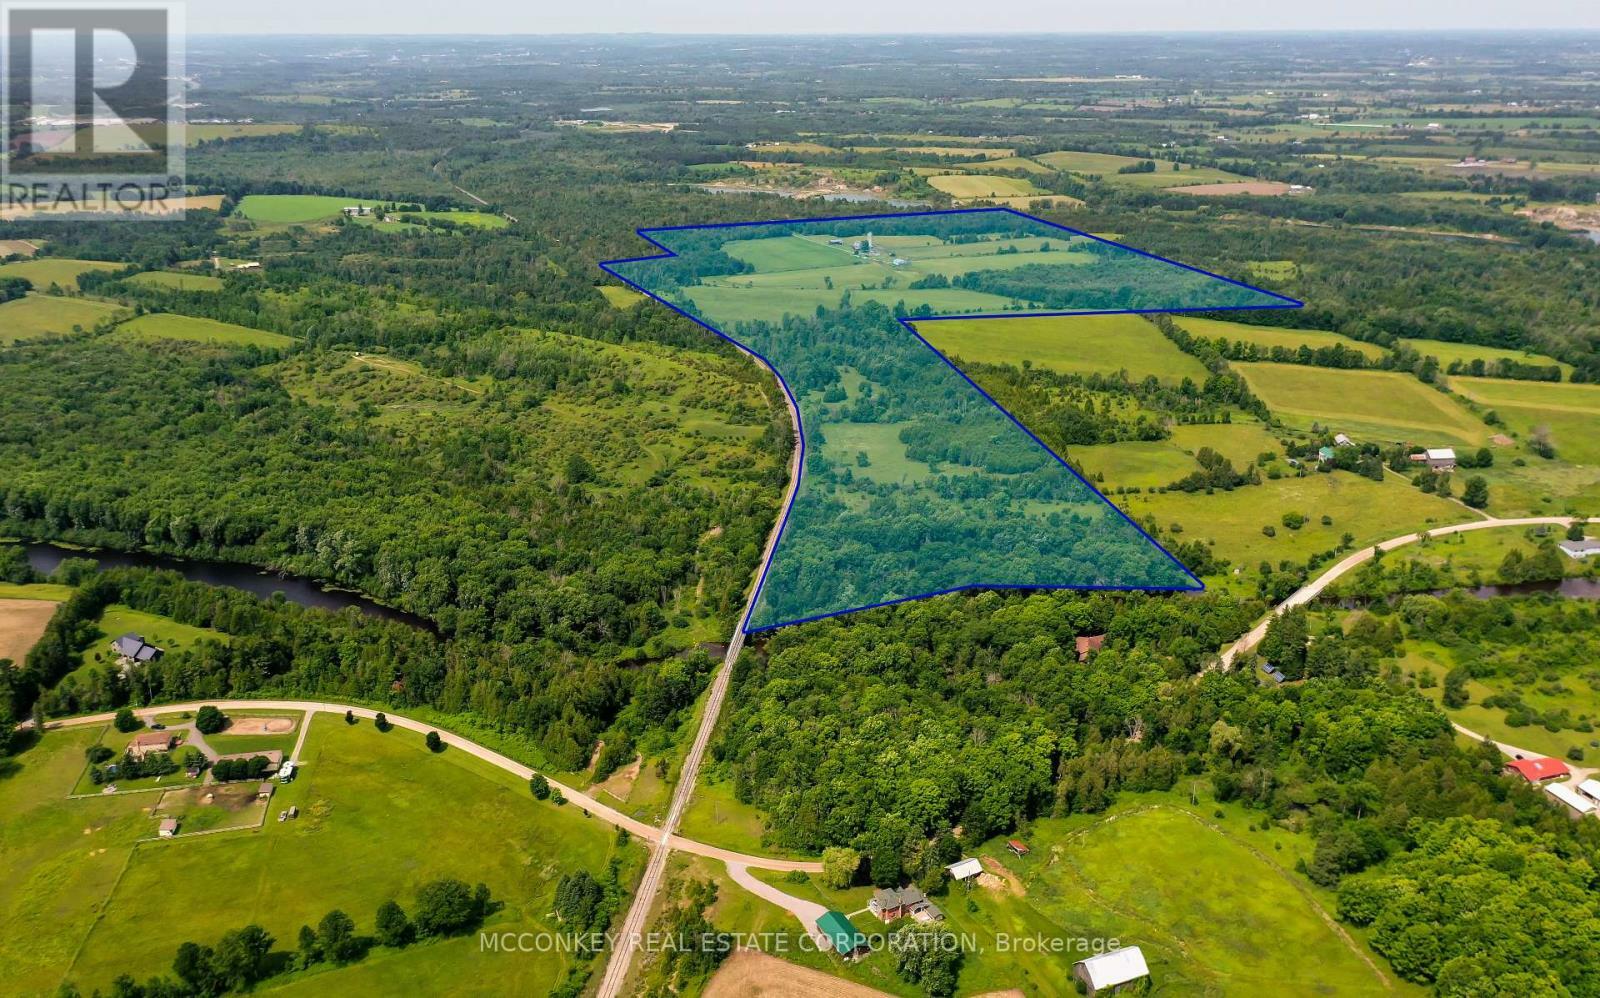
(845, 939)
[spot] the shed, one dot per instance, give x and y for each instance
(1017, 848)
(264, 792)
(1440, 458)
(1340, 440)
(1110, 972)
(168, 828)
(840, 935)
(1570, 797)
(966, 869)
(1590, 788)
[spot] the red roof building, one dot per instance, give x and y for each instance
(1537, 770)
(1087, 644)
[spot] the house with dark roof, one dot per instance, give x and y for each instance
(133, 647)
(898, 902)
(148, 742)
(1586, 548)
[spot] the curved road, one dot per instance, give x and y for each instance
(1311, 590)
(604, 812)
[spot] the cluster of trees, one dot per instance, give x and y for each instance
(228, 770)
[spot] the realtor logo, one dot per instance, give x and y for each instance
(92, 100)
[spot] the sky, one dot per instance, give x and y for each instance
(378, 17)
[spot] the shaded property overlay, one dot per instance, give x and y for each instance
(914, 482)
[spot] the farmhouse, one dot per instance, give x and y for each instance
(1437, 458)
(892, 903)
(1576, 802)
(841, 936)
(1537, 770)
(966, 869)
(1586, 548)
(150, 741)
(1087, 644)
(133, 647)
(168, 828)
(1110, 972)
(1325, 454)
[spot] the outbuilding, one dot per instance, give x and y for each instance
(1537, 770)
(1586, 548)
(1590, 788)
(168, 828)
(840, 935)
(1110, 972)
(966, 869)
(1577, 802)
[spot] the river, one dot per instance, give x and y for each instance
(1569, 588)
(307, 592)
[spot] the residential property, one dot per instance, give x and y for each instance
(133, 648)
(1590, 788)
(1018, 849)
(1340, 440)
(898, 902)
(1325, 454)
(1110, 972)
(1579, 804)
(966, 869)
(149, 741)
(168, 828)
(840, 935)
(1437, 458)
(1273, 672)
(1088, 644)
(1537, 770)
(1586, 548)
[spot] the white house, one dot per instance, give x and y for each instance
(966, 869)
(1586, 548)
(1570, 797)
(1109, 972)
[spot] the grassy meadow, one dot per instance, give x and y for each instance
(1568, 413)
(1086, 344)
(63, 273)
(379, 816)
(36, 316)
(169, 326)
(1269, 337)
(1371, 406)
(176, 281)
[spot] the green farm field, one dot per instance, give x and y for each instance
(1449, 353)
(177, 281)
(1273, 336)
(36, 316)
(292, 209)
(1570, 413)
(167, 326)
(1156, 463)
(54, 270)
(1371, 511)
(1569, 690)
(1106, 165)
(978, 185)
(1371, 406)
(379, 816)
(1087, 344)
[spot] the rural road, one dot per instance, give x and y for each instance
(576, 798)
(1579, 773)
(806, 911)
(1311, 590)
(633, 925)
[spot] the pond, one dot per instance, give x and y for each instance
(307, 592)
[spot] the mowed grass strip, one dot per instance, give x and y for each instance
(1371, 406)
(168, 326)
(63, 273)
(1274, 336)
(49, 315)
(1090, 344)
(379, 815)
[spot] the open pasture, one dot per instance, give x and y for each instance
(1090, 344)
(1450, 353)
(1269, 337)
(168, 326)
(37, 316)
(177, 281)
(45, 271)
(1371, 406)
(967, 186)
(1568, 413)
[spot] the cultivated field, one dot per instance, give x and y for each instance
(1376, 406)
(1275, 336)
(1090, 344)
(22, 621)
(50, 315)
(966, 186)
(168, 326)
(379, 815)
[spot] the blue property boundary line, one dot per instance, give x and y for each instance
(609, 267)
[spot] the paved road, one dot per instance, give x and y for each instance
(633, 924)
(575, 798)
(1311, 590)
